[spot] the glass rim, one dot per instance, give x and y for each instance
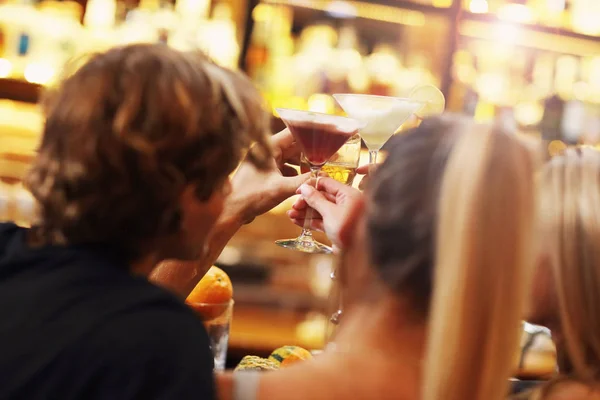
(313, 112)
(358, 122)
(377, 96)
(195, 303)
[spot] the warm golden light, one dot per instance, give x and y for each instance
(556, 147)
(516, 13)
(322, 103)
(529, 113)
(507, 33)
(39, 73)
(478, 6)
(5, 68)
(442, 3)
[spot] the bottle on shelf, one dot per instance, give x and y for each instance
(99, 21)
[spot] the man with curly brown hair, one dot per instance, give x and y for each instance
(133, 169)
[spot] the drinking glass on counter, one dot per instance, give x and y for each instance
(217, 320)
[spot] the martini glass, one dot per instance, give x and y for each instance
(381, 115)
(319, 136)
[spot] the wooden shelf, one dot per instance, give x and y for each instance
(490, 18)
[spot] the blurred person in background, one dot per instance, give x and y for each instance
(133, 168)
(566, 291)
(435, 272)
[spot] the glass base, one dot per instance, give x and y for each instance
(308, 246)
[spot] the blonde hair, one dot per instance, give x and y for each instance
(570, 221)
(484, 241)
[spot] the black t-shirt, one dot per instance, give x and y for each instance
(75, 324)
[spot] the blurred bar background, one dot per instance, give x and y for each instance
(532, 64)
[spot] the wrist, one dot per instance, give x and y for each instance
(239, 210)
(229, 222)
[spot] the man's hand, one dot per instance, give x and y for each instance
(254, 192)
(332, 202)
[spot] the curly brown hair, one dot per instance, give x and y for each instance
(127, 132)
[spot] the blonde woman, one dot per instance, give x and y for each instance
(435, 272)
(567, 283)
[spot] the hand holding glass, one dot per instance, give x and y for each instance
(319, 136)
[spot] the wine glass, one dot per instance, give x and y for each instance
(381, 115)
(342, 165)
(319, 136)
(384, 115)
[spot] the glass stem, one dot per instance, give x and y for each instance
(373, 157)
(306, 235)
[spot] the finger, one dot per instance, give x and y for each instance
(316, 199)
(363, 169)
(312, 182)
(287, 170)
(300, 203)
(292, 153)
(301, 214)
(315, 224)
(293, 159)
(287, 186)
(363, 183)
(367, 169)
(283, 139)
(287, 149)
(333, 187)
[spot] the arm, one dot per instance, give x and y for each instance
(254, 192)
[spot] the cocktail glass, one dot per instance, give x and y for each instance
(382, 117)
(342, 165)
(319, 136)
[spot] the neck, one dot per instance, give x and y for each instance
(385, 327)
(144, 266)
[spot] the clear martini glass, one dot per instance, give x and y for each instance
(319, 136)
(381, 115)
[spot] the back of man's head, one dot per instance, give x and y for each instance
(127, 132)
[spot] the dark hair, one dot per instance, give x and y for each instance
(403, 202)
(127, 132)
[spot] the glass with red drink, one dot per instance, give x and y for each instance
(319, 136)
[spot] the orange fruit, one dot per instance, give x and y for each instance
(288, 355)
(211, 296)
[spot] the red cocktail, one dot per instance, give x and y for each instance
(320, 136)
